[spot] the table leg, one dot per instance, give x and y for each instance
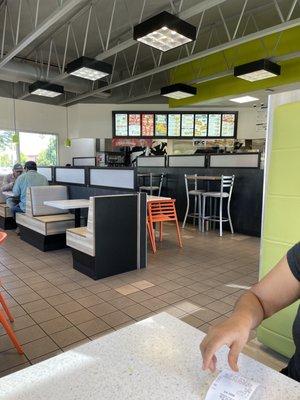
(77, 217)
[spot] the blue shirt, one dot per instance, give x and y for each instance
(26, 180)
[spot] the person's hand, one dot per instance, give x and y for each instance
(234, 333)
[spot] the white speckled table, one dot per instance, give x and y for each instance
(156, 359)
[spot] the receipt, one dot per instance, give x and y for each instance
(231, 386)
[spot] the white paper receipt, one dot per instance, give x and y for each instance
(231, 386)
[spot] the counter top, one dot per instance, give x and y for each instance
(156, 359)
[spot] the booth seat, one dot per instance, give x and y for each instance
(42, 226)
(83, 238)
(114, 240)
(6, 217)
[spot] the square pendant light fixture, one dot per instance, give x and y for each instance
(45, 89)
(178, 91)
(164, 32)
(88, 68)
(244, 99)
(257, 70)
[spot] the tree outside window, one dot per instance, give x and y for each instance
(8, 151)
(38, 147)
(41, 148)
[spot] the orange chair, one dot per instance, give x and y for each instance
(160, 211)
(3, 320)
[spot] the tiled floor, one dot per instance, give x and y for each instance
(56, 307)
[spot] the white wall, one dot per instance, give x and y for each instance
(90, 120)
(34, 117)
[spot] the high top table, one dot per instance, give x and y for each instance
(156, 359)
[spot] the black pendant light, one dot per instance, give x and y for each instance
(88, 68)
(178, 91)
(257, 70)
(164, 32)
(45, 89)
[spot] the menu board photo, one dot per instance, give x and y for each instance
(147, 124)
(228, 125)
(200, 125)
(161, 125)
(187, 125)
(121, 124)
(214, 125)
(174, 125)
(134, 125)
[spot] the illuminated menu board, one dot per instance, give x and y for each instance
(187, 124)
(200, 125)
(147, 124)
(228, 125)
(214, 125)
(134, 125)
(161, 125)
(205, 124)
(174, 125)
(121, 124)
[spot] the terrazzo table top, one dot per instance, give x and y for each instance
(157, 359)
(68, 204)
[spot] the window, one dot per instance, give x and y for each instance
(39, 147)
(8, 152)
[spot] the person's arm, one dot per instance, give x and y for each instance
(7, 187)
(17, 187)
(278, 289)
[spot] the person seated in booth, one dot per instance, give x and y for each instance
(277, 290)
(9, 181)
(30, 178)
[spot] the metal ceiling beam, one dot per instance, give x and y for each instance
(185, 14)
(257, 35)
(53, 19)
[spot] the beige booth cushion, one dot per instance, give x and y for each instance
(5, 211)
(37, 195)
(83, 238)
(48, 224)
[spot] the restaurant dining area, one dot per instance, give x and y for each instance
(149, 200)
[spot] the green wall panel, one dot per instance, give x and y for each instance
(283, 163)
(281, 217)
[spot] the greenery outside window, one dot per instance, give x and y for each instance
(23, 146)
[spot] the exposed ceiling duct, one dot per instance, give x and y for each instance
(15, 71)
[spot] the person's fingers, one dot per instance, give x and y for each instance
(208, 351)
(233, 356)
(213, 364)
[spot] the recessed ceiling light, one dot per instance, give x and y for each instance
(45, 89)
(88, 68)
(244, 99)
(257, 70)
(178, 91)
(164, 32)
